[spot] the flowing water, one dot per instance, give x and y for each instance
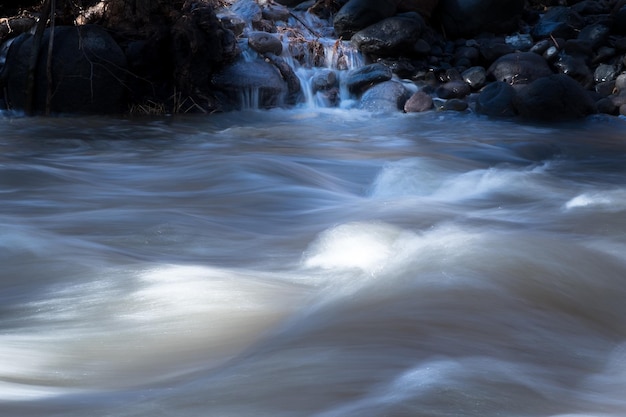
(314, 263)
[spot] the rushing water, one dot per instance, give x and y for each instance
(312, 263)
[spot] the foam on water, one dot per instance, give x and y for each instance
(311, 263)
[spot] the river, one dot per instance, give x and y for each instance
(314, 263)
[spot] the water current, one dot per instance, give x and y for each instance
(314, 263)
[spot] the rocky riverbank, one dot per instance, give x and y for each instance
(538, 60)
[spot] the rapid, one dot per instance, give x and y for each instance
(312, 262)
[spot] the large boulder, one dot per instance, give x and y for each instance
(359, 14)
(553, 98)
(470, 17)
(88, 71)
(392, 36)
(519, 68)
(250, 84)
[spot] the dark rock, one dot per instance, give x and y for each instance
(576, 68)
(466, 54)
(358, 80)
(388, 96)
(454, 89)
(496, 100)
(88, 69)
(606, 88)
(519, 68)
(324, 80)
(605, 72)
(578, 48)
(475, 77)
(558, 22)
(395, 35)
(233, 23)
(294, 90)
(589, 7)
(470, 17)
(418, 102)
(454, 104)
(275, 12)
(552, 98)
(247, 10)
(606, 106)
(541, 47)
(421, 47)
(494, 49)
(251, 84)
(356, 15)
(597, 34)
(264, 42)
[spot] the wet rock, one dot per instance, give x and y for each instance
(454, 89)
(475, 77)
(250, 84)
(454, 104)
(388, 96)
(558, 22)
(418, 102)
(605, 72)
(493, 49)
(324, 80)
(264, 42)
(88, 69)
(275, 13)
(392, 36)
(356, 15)
(470, 17)
(576, 68)
(596, 34)
(519, 68)
(360, 79)
(553, 98)
(247, 10)
(606, 106)
(496, 100)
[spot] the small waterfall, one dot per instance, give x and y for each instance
(311, 56)
(319, 60)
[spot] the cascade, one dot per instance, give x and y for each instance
(318, 60)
